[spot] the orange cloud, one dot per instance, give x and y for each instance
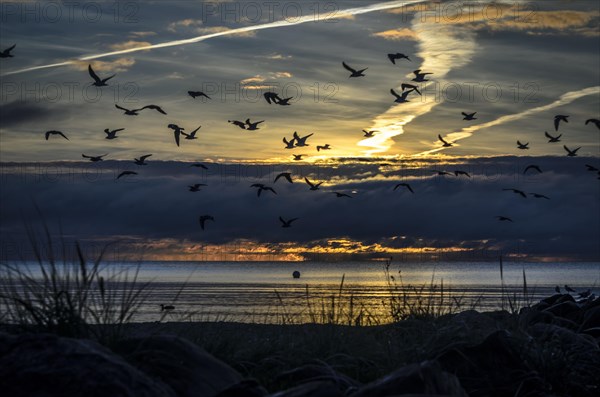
(397, 34)
(126, 45)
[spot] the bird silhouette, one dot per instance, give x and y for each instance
(552, 139)
(406, 185)
(301, 141)
(558, 119)
(370, 133)
(522, 146)
(289, 144)
(240, 124)
(124, 173)
(287, 223)
(297, 157)
(402, 97)
(199, 165)
(112, 134)
(166, 308)
(94, 159)
(394, 57)
(134, 112)
(271, 97)
(196, 187)
(284, 101)
(191, 135)
(253, 126)
(338, 194)
(286, 175)
(195, 94)
(517, 191)
(262, 187)
(6, 53)
(313, 186)
(203, 219)
(595, 121)
(469, 116)
(445, 143)
(591, 168)
(532, 167)
(442, 173)
(411, 87)
(459, 172)
(571, 153)
(503, 218)
(420, 77)
(354, 72)
(177, 131)
(323, 147)
(53, 132)
(141, 160)
(98, 82)
(537, 195)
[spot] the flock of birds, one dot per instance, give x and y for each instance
(297, 141)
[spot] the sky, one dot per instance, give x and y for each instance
(516, 63)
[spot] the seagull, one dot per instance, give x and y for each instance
(411, 87)
(324, 147)
(134, 112)
(98, 82)
(286, 175)
(191, 135)
(198, 165)
(446, 144)
(536, 195)
(262, 187)
(406, 185)
(393, 57)
(517, 191)
(297, 157)
(177, 130)
(595, 121)
(141, 160)
(312, 185)
(166, 308)
(503, 218)
(571, 153)
(532, 167)
(458, 172)
(338, 194)
(551, 138)
(112, 134)
(400, 98)
(585, 294)
(420, 77)
(126, 173)
(569, 289)
(441, 173)
(354, 72)
(522, 146)
(469, 116)
(53, 132)
(253, 126)
(370, 133)
(196, 187)
(94, 159)
(558, 119)
(6, 53)
(289, 144)
(591, 168)
(301, 141)
(195, 94)
(287, 223)
(203, 219)
(284, 101)
(557, 289)
(271, 97)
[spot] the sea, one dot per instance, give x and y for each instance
(341, 292)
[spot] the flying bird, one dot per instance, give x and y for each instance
(203, 219)
(402, 97)
(195, 94)
(199, 165)
(370, 133)
(297, 157)
(324, 147)
(552, 139)
(253, 126)
(301, 141)
(126, 173)
(410, 87)
(53, 132)
(393, 57)
(196, 187)
(458, 172)
(591, 168)
(262, 187)
(522, 146)
(141, 160)
(338, 194)
(6, 53)
(442, 173)
(532, 167)
(286, 175)
(94, 159)
(595, 121)
(537, 195)
(112, 134)
(134, 112)
(420, 77)
(177, 131)
(98, 82)
(271, 97)
(503, 218)
(571, 153)
(406, 185)
(191, 135)
(284, 101)
(166, 308)
(517, 191)
(354, 72)
(558, 119)
(287, 223)
(313, 186)
(289, 144)
(446, 144)
(469, 116)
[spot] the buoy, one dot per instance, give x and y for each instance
(296, 274)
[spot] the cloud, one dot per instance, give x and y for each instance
(126, 45)
(397, 34)
(185, 23)
(142, 34)
(254, 82)
(118, 65)
(18, 112)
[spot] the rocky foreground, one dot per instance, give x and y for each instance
(549, 349)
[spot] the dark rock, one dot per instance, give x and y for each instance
(423, 378)
(183, 365)
(569, 310)
(557, 298)
(591, 319)
(311, 389)
(51, 366)
(314, 372)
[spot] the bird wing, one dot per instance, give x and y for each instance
(408, 187)
(442, 139)
(548, 135)
(9, 49)
(393, 93)
(309, 183)
(392, 58)
(85, 156)
(108, 78)
(142, 158)
(176, 133)
(93, 74)
(154, 107)
(348, 67)
(119, 107)
(282, 221)
(556, 122)
(193, 133)
(48, 134)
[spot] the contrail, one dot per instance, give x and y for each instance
(468, 131)
(277, 24)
